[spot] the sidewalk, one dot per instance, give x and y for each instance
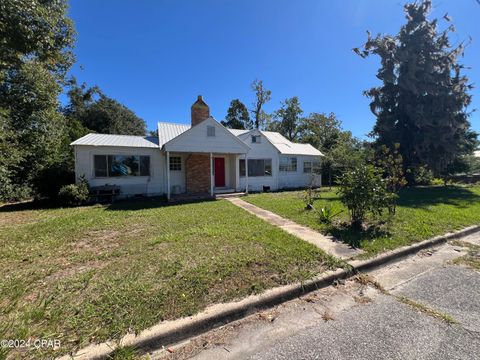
(327, 243)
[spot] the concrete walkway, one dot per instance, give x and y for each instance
(327, 243)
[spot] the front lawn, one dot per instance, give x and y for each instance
(94, 273)
(421, 213)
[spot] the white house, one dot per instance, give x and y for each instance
(201, 158)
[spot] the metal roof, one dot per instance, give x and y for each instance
(117, 140)
(286, 147)
(476, 153)
(169, 131)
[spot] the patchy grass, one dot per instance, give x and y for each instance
(472, 258)
(427, 310)
(89, 274)
(421, 213)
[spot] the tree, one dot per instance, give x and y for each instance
(421, 103)
(289, 118)
(321, 131)
(36, 39)
(92, 109)
(262, 96)
(237, 116)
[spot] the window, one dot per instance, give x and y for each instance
(288, 163)
(210, 131)
(175, 163)
(256, 167)
(256, 139)
(312, 167)
(121, 165)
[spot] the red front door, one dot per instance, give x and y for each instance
(219, 172)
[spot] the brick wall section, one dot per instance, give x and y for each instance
(197, 174)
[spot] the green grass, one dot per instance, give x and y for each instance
(90, 274)
(421, 213)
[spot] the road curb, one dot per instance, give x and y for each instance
(217, 315)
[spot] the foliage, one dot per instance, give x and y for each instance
(391, 164)
(437, 181)
(326, 214)
(341, 149)
(262, 96)
(421, 175)
(98, 113)
(422, 100)
(51, 179)
(288, 118)
(363, 190)
(37, 31)
(74, 194)
(36, 40)
(237, 116)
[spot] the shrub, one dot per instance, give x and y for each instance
(422, 175)
(437, 181)
(74, 194)
(363, 190)
(51, 179)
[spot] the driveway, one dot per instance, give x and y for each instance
(425, 307)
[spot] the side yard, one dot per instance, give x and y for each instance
(422, 213)
(90, 274)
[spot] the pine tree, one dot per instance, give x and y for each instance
(237, 116)
(423, 98)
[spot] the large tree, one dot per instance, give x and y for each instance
(422, 101)
(93, 110)
(237, 116)
(36, 39)
(262, 96)
(289, 119)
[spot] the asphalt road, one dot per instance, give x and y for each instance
(365, 319)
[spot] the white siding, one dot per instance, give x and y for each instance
(298, 179)
(196, 140)
(262, 150)
(129, 185)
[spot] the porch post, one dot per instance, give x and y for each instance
(168, 175)
(211, 174)
(246, 173)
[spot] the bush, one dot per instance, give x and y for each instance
(363, 190)
(50, 180)
(422, 175)
(437, 181)
(74, 194)
(10, 191)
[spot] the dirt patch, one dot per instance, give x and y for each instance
(98, 240)
(17, 218)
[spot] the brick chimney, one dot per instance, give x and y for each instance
(200, 111)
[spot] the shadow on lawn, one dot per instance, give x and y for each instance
(150, 203)
(345, 233)
(419, 197)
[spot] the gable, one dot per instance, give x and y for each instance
(209, 136)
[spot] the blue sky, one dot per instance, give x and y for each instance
(157, 56)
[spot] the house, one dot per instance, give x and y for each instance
(203, 158)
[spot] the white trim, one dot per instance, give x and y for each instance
(211, 174)
(168, 175)
(246, 173)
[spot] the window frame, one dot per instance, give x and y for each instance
(177, 162)
(242, 172)
(291, 166)
(315, 167)
(108, 175)
(210, 131)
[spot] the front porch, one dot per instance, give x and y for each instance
(191, 176)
